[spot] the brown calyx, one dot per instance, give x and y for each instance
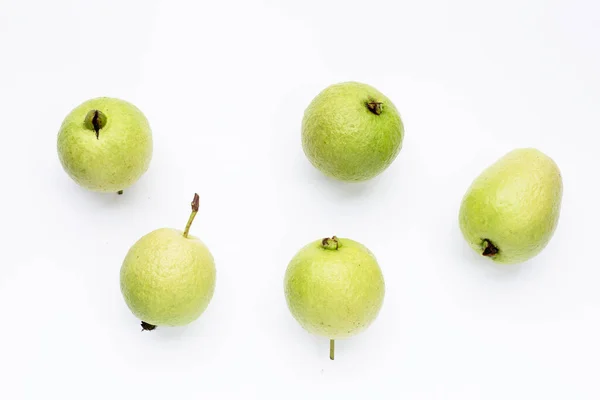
(147, 327)
(489, 249)
(376, 107)
(331, 243)
(95, 120)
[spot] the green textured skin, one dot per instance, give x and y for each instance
(345, 140)
(334, 293)
(515, 203)
(167, 279)
(117, 158)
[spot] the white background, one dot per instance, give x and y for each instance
(224, 85)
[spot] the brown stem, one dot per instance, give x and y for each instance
(195, 208)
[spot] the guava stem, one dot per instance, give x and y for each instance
(120, 192)
(489, 249)
(195, 207)
(376, 107)
(95, 120)
(331, 349)
(331, 243)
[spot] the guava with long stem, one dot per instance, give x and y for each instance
(168, 276)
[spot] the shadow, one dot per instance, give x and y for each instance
(340, 189)
(84, 200)
(299, 339)
(131, 195)
(320, 346)
(169, 333)
(166, 334)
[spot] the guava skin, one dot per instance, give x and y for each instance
(511, 211)
(351, 132)
(168, 279)
(112, 158)
(335, 293)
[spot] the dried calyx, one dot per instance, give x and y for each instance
(147, 327)
(331, 243)
(376, 107)
(489, 249)
(95, 120)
